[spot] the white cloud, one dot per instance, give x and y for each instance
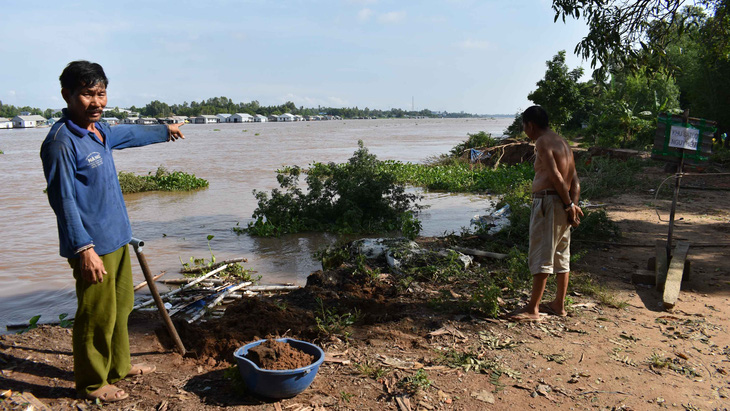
(392, 17)
(470, 44)
(364, 14)
(336, 101)
(11, 93)
(300, 100)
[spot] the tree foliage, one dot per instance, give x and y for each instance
(622, 32)
(687, 40)
(353, 197)
(558, 92)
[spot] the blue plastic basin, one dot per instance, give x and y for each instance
(278, 383)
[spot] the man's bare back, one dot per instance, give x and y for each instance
(555, 169)
(553, 157)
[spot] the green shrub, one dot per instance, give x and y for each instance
(720, 155)
(162, 180)
(480, 139)
(595, 225)
(354, 197)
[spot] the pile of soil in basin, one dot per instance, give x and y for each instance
(277, 355)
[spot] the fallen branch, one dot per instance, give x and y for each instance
(639, 245)
(143, 283)
(605, 392)
(273, 287)
(480, 253)
(179, 281)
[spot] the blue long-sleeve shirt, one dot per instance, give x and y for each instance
(83, 188)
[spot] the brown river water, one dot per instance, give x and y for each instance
(235, 160)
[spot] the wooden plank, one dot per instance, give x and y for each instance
(674, 275)
(660, 267)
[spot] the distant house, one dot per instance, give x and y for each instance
(273, 118)
(130, 120)
(25, 113)
(298, 117)
(206, 119)
(260, 118)
(240, 118)
(181, 119)
(146, 121)
(112, 121)
(286, 117)
(223, 117)
(28, 121)
(51, 121)
(6, 122)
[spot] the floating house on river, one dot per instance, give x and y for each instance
(260, 118)
(6, 122)
(29, 121)
(146, 121)
(240, 118)
(112, 121)
(205, 119)
(286, 117)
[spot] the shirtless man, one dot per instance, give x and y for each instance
(555, 191)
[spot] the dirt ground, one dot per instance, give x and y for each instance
(638, 357)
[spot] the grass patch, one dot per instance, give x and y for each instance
(604, 177)
(162, 180)
(330, 322)
(584, 284)
(460, 177)
(415, 383)
(371, 370)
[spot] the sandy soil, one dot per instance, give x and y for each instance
(639, 357)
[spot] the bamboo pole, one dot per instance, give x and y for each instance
(143, 283)
(173, 292)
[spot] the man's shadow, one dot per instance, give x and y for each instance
(11, 364)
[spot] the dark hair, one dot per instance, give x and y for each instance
(82, 73)
(537, 116)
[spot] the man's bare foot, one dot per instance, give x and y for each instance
(548, 309)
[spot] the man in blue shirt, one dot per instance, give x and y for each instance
(93, 226)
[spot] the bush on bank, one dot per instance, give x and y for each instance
(162, 180)
(359, 196)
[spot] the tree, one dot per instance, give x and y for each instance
(559, 92)
(619, 29)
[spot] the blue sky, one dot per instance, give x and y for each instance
(476, 56)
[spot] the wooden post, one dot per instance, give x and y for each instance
(660, 267)
(674, 275)
(137, 244)
(677, 181)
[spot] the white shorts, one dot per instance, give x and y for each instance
(549, 236)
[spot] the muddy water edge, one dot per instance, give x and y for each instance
(235, 159)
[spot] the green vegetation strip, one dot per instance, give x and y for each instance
(162, 180)
(460, 177)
